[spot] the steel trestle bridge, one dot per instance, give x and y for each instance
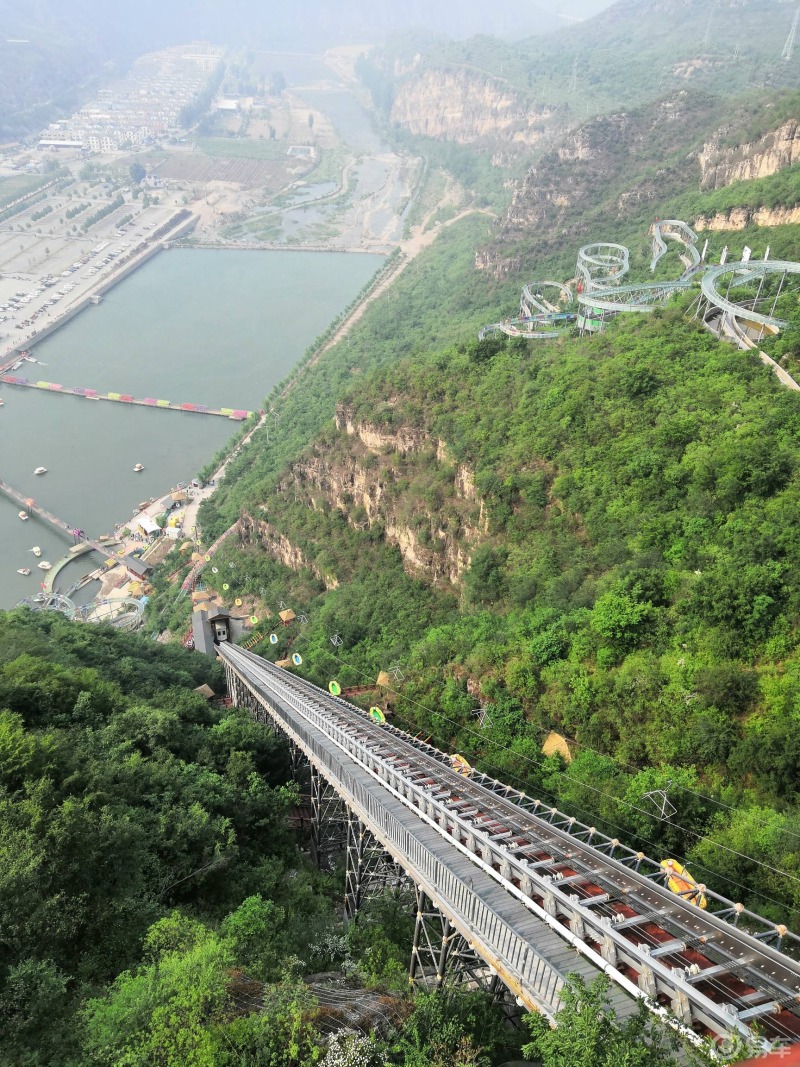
(510, 892)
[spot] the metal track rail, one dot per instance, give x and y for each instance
(602, 898)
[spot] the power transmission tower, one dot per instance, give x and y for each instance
(707, 34)
(788, 48)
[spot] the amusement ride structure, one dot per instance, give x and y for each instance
(744, 314)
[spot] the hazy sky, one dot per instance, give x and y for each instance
(304, 25)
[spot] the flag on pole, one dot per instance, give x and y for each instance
(747, 252)
(724, 257)
(766, 254)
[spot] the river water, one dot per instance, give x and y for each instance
(212, 327)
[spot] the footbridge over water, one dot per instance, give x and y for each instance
(512, 893)
(236, 414)
(29, 506)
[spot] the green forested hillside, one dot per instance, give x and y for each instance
(154, 905)
(634, 586)
(629, 53)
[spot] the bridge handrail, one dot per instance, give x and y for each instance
(566, 824)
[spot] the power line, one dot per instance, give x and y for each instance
(630, 768)
(625, 831)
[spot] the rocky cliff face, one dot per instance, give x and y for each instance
(740, 217)
(774, 151)
(401, 483)
(254, 530)
(466, 107)
(596, 158)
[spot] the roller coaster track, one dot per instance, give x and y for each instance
(600, 297)
(677, 231)
(539, 319)
(530, 892)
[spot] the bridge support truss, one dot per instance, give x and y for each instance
(329, 821)
(441, 956)
(370, 869)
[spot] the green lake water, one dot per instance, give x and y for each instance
(210, 327)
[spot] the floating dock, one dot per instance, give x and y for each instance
(237, 414)
(28, 505)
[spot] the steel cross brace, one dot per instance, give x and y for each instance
(370, 870)
(439, 953)
(329, 821)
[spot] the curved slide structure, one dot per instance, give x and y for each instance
(747, 273)
(600, 297)
(539, 319)
(745, 322)
(675, 230)
(601, 265)
(533, 302)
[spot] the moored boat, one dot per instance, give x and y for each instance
(23, 570)
(44, 565)
(23, 515)
(36, 550)
(139, 467)
(40, 470)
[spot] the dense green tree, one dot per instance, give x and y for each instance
(589, 1034)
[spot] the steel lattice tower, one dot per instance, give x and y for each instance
(788, 48)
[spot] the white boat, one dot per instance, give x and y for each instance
(139, 467)
(44, 565)
(2, 402)
(23, 515)
(36, 550)
(24, 570)
(40, 470)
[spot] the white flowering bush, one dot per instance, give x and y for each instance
(327, 952)
(346, 1049)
